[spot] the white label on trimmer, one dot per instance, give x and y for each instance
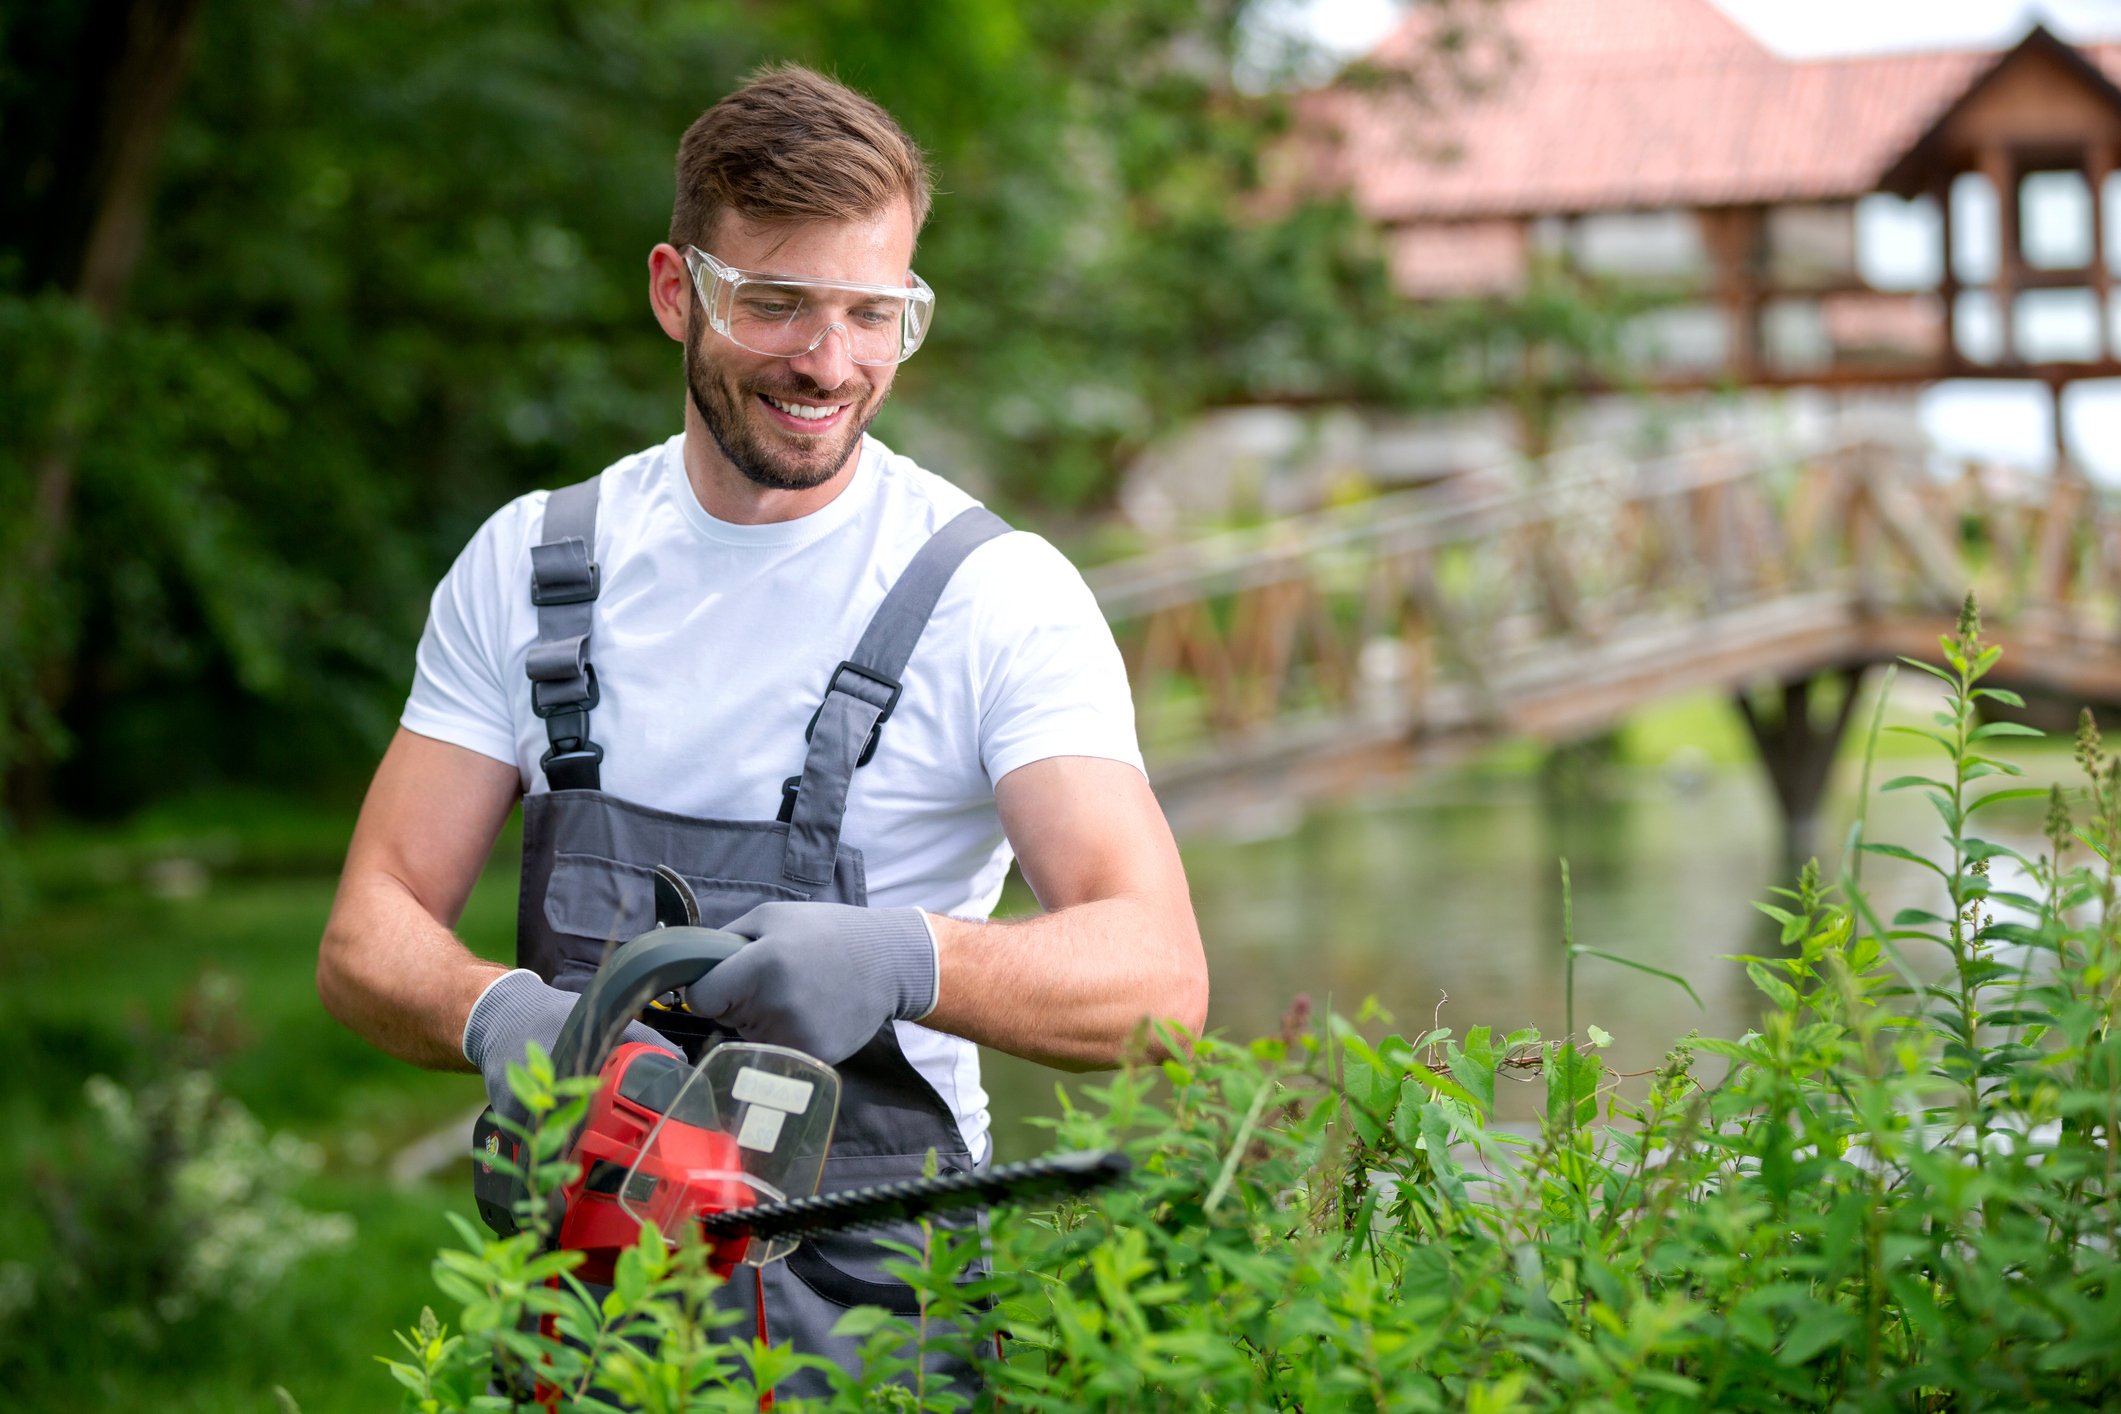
(761, 1129)
(759, 1087)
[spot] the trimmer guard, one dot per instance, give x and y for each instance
(751, 1125)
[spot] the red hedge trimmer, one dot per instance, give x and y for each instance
(729, 1151)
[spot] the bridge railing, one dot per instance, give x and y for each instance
(1429, 611)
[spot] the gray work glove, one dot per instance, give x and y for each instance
(521, 1007)
(821, 977)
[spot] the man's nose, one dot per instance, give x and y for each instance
(830, 363)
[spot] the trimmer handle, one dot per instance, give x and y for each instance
(654, 963)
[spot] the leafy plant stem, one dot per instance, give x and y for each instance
(1238, 1141)
(1852, 858)
(1568, 973)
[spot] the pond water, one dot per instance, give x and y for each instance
(1451, 888)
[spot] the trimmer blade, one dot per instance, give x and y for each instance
(1076, 1172)
(675, 904)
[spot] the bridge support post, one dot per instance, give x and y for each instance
(1797, 746)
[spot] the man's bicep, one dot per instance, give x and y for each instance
(430, 820)
(1085, 828)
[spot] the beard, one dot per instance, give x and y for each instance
(726, 407)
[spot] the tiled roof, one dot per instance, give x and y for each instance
(1618, 104)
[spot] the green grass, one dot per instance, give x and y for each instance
(110, 977)
(317, 1335)
(103, 977)
(1701, 724)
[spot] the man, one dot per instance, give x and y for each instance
(682, 662)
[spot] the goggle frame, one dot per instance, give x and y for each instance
(719, 300)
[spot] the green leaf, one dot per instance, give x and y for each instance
(1816, 1330)
(1999, 694)
(1572, 1082)
(1977, 850)
(629, 1282)
(1428, 1273)
(1996, 797)
(1474, 1067)
(1436, 1142)
(1989, 729)
(1777, 991)
(1906, 782)
(2019, 1016)
(1894, 851)
(1674, 978)
(2013, 933)
(1932, 669)
(862, 1321)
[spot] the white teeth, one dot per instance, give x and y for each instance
(808, 414)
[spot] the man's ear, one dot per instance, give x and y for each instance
(670, 291)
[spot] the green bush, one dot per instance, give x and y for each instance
(1899, 1193)
(161, 1227)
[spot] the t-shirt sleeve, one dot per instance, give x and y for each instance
(460, 687)
(1056, 685)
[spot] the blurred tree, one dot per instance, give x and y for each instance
(87, 148)
(393, 277)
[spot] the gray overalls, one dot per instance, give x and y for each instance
(586, 884)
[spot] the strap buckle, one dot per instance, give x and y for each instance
(543, 708)
(571, 590)
(876, 732)
(788, 789)
(573, 762)
(573, 766)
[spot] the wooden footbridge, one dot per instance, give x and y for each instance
(1327, 654)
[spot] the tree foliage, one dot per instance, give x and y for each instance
(393, 276)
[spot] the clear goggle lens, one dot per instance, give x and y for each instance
(785, 316)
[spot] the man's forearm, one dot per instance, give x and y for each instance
(1071, 988)
(394, 975)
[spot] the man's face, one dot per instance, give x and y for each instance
(742, 396)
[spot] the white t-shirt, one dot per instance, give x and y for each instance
(713, 642)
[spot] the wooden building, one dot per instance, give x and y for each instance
(1654, 141)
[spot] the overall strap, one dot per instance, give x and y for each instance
(862, 692)
(563, 686)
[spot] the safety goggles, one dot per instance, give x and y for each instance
(786, 316)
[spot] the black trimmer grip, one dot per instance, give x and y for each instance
(496, 1174)
(638, 973)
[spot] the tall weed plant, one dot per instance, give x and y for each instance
(1899, 1194)
(160, 1227)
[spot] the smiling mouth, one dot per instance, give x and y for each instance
(808, 417)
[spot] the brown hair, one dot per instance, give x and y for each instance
(793, 145)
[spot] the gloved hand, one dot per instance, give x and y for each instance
(518, 1008)
(821, 977)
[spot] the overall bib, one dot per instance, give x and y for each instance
(587, 858)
